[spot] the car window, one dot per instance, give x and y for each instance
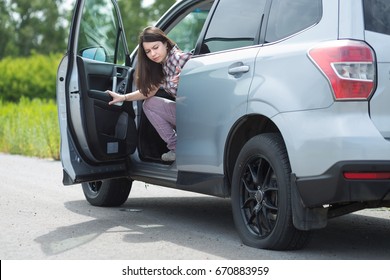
(288, 17)
(234, 25)
(99, 32)
(377, 16)
(186, 32)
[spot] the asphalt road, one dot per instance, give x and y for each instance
(43, 220)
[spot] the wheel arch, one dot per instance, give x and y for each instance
(243, 130)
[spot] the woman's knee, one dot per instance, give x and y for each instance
(151, 103)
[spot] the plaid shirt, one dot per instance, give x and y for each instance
(176, 58)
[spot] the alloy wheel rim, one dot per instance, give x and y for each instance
(259, 197)
(95, 187)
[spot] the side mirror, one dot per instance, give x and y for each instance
(95, 53)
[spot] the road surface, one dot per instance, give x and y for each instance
(43, 220)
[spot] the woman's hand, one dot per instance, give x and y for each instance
(176, 78)
(115, 97)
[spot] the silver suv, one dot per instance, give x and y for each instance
(284, 108)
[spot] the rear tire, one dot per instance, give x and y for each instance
(261, 196)
(108, 193)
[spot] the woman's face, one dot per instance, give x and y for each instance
(155, 51)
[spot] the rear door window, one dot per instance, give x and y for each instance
(234, 25)
(377, 16)
(289, 17)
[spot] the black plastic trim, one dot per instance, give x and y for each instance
(332, 188)
(206, 183)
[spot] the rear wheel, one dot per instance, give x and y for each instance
(111, 192)
(261, 196)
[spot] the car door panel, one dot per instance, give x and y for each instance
(201, 142)
(106, 126)
(96, 138)
(214, 85)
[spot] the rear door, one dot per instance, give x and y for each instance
(96, 138)
(214, 85)
(377, 34)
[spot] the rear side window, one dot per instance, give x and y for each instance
(377, 16)
(234, 24)
(291, 16)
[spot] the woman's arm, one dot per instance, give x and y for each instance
(132, 96)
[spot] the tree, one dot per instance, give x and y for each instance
(42, 26)
(29, 26)
(158, 8)
(136, 16)
(6, 30)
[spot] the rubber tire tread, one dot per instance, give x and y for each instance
(284, 235)
(112, 192)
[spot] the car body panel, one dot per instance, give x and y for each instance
(379, 103)
(351, 28)
(316, 139)
(207, 110)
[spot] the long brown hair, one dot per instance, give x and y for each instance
(150, 74)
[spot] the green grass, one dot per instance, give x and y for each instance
(30, 128)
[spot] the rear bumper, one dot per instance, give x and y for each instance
(331, 187)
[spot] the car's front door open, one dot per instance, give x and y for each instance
(96, 138)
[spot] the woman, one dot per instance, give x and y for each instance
(159, 65)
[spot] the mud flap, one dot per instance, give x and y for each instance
(305, 218)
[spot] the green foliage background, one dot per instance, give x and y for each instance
(30, 77)
(41, 26)
(33, 35)
(28, 112)
(29, 127)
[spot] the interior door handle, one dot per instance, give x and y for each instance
(237, 71)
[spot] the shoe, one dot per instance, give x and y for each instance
(170, 156)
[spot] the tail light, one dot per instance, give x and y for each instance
(349, 67)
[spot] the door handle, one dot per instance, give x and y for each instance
(237, 71)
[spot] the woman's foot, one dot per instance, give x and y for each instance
(170, 156)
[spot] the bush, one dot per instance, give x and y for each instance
(31, 77)
(30, 128)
